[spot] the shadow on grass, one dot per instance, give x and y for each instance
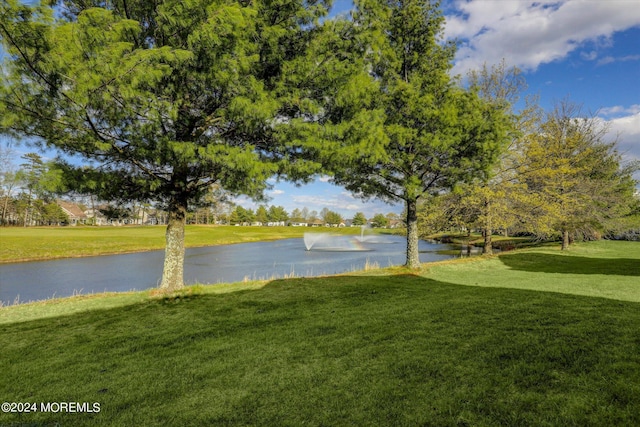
(335, 351)
(550, 263)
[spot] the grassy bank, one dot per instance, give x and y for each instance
(382, 349)
(38, 243)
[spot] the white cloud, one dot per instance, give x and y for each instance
(276, 192)
(344, 203)
(527, 33)
(610, 59)
(627, 129)
(619, 110)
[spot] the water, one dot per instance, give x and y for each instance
(33, 281)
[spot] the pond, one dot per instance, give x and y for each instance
(32, 281)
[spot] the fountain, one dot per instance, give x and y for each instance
(333, 243)
(338, 243)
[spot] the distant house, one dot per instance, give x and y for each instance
(73, 211)
(95, 216)
(298, 223)
(276, 223)
(316, 223)
(395, 223)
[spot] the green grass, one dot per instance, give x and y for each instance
(607, 269)
(38, 243)
(378, 349)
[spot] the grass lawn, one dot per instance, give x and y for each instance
(37, 243)
(608, 269)
(378, 349)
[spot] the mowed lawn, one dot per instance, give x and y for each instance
(38, 243)
(382, 348)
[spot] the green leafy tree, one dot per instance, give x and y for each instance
(242, 215)
(165, 98)
(54, 215)
(436, 133)
(379, 221)
(277, 214)
(332, 218)
(262, 215)
(359, 219)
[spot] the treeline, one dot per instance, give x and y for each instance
(277, 215)
(28, 193)
(559, 179)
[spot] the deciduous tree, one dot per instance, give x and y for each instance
(379, 221)
(577, 172)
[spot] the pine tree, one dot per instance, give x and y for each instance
(164, 99)
(435, 133)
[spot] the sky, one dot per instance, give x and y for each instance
(587, 51)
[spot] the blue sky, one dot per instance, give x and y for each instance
(587, 50)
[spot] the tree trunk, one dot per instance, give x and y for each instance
(565, 239)
(413, 256)
(487, 249)
(173, 272)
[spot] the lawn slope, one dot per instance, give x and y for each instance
(346, 350)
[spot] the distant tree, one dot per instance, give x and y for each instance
(234, 217)
(54, 215)
(359, 219)
(242, 215)
(278, 214)
(8, 180)
(324, 215)
(212, 206)
(333, 218)
(436, 133)
(296, 215)
(31, 173)
(379, 221)
(304, 214)
(262, 215)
